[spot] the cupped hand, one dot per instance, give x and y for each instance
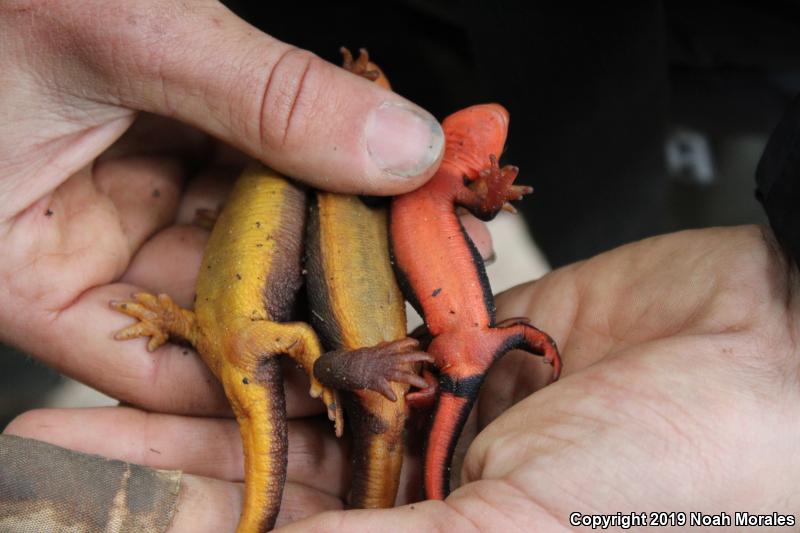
(82, 213)
(94, 186)
(679, 394)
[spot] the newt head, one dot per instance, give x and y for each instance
(474, 135)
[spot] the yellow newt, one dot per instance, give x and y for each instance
(358, 310)
(246, 287)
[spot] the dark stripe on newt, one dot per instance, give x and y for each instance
(468, 389)
(323, 319)
(375, 201)
(402, 277)
(463, 388)
(457, 428)
(284, 274)
(269, 375)
(513, 341)
(477, 260)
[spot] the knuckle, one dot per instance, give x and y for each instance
(288, 97)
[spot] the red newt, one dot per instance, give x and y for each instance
(443, 276)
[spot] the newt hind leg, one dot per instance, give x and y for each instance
(373, 368)
(159, 318)
(459, 387)
(300, 342)
(492, 190)
(517, 333)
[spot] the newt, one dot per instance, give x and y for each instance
(444, 278)
(358, 310)
(249, 277)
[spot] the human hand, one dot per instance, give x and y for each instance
(79, 211)
(678, 394)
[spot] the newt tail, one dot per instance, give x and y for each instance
(443, 276)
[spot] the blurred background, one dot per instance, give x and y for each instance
(629, 118)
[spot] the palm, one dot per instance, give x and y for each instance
(680, 359)
(108, 222)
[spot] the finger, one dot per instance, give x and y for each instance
(201, 446)
(487, 506)
(168, 263)
(144, 191)
(201, 64)
(511, 379)
(479, 235)
(208, 505)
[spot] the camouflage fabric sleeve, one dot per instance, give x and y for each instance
(48, 488)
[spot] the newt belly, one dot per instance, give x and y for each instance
(443, 276)
(359, 311)
(247, 284)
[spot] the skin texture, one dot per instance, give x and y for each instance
(443, 276)
(247, 284)
(681, 364)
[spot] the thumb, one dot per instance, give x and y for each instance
(199, 63)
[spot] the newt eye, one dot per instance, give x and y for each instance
(466, 180)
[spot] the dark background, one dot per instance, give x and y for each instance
(596, 93)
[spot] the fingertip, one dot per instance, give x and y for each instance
(405, 144)
(345, 134)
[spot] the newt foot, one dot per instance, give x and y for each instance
(156, 314)
(361, 66)
(494, 188)
(373, 368)
(424, 398)
(205, 218)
